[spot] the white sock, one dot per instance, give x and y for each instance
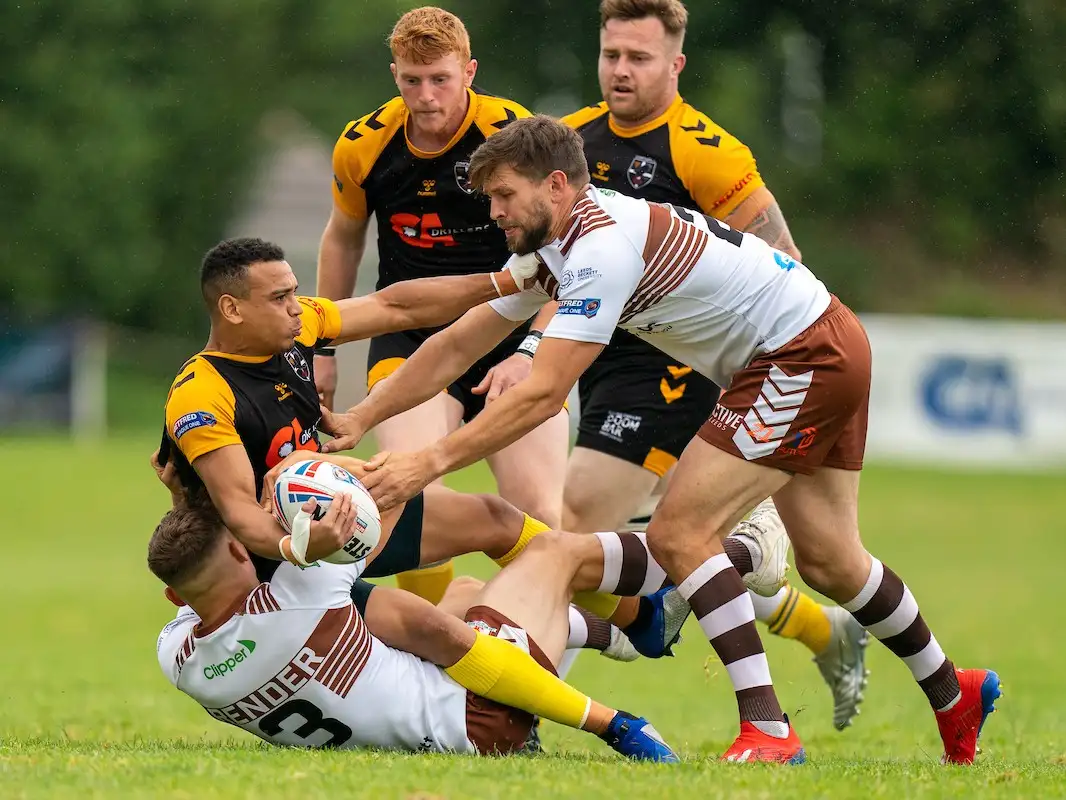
(579, 631)
(766, 607)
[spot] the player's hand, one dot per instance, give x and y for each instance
(326, 379)
(394, 478)
(266, 498)
(520, 274)
(346, 430)
(503, 376)
(332, 532)
(168, 476)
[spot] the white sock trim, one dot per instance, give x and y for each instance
(899, 620)
(654, 576)
(928, 661)
(728, 616)
(873, 583)
(612, 560)
(766, 607)
(703, 573)
(750, 672)
(579, 630)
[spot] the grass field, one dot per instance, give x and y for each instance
(85, 711)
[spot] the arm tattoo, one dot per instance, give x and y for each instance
(770, 226)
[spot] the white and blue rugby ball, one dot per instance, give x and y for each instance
(322, 480)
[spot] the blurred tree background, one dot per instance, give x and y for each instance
(917, 149)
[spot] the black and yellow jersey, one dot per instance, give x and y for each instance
(680, 157)
(267, 404)
(430, 221)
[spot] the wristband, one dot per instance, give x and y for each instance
(327, 352)
(291, 556)
(530, 344)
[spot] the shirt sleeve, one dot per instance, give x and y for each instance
(321, 321)
(173, 637)
(200, 411)
(716, 168)
(348, 194)
(601, 274)
(522, 305)
(322, 585)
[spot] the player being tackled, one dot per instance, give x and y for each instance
(299, 666)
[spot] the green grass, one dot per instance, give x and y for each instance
(85, 712)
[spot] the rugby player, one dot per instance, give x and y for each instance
(406, 163)
(791, 424)
(639, 406)
(291, 660)
(246, 406)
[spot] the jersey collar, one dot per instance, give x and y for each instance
(628, 133)
(471, 112)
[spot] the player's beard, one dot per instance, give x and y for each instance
(534, 235)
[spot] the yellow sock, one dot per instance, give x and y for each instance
(530, 528)
(801, 617)
(602, 605)
(430, 583)
(500, 671)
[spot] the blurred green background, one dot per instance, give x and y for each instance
(917, 149)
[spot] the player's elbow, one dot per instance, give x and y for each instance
(548, 399)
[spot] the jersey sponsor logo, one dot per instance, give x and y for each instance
(787, 263)
(283, 391)
(224, 668)
(299, 365)
(736, 187)
(584, 307)
(602, 168)
(724, 419)
(289, 439)
(429, 188)
(188, 422)
(767, 422)
(641, 171)
(798, 443)
(427, 230)
(618, 422)
(461, 170)
(972, 393)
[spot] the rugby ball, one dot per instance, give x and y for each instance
(322, 480)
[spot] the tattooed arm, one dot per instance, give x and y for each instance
(760, 214)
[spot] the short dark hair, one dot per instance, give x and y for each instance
(534, 147)
(182, 541)
(671, 13)
(224, 269)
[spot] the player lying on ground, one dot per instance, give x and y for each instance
(292, 661)
(791, 424)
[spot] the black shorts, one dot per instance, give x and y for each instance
(638, 404)
(388, 352)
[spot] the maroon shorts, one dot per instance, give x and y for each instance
(493, 728)
(803, 406)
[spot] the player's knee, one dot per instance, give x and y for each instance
(545, 509)
(462, 584)
(834, 574)
(547, 543)
(503, 518)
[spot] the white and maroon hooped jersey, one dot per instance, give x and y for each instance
(296, 665)
(711, 297)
